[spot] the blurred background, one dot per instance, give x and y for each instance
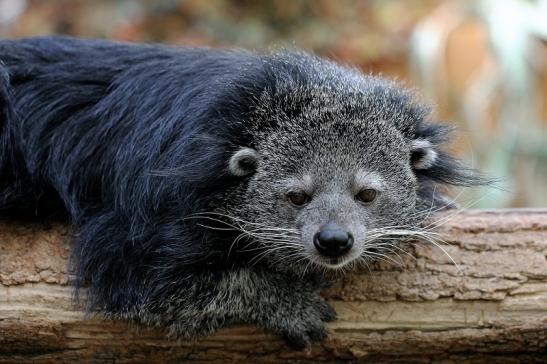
(482, 63)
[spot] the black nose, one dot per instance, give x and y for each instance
(333, 241)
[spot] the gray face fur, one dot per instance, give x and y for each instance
(331, 163)
(331, 154)
(330, 136)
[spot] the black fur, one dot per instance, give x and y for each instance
(130, 139)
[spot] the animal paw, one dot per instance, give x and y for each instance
(300, 327)
(300, 340)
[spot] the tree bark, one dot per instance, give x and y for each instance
(420, 307)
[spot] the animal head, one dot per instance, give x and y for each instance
(339, 167)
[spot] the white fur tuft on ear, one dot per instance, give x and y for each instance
(243, 162)
(423, 155)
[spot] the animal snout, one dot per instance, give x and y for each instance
(333, 241)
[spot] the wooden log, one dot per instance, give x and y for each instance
(492, 307)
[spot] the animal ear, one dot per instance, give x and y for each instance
(422, 154)
(243, 162)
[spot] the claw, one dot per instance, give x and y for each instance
(318, 334)
(296, 341)
(328, 314)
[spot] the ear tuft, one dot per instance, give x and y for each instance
(243, 162)
(422, 154)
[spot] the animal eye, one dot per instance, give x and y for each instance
(367, 195)
(298, 198)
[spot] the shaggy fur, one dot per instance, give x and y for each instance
(172, 165)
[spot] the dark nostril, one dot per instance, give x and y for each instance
(333, 241)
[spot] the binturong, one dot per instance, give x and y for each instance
(214, 187)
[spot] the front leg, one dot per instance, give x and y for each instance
(291, 307)
(286, 304)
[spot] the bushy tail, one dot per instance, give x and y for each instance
(20, 198)
(10, 189)
(6, 114)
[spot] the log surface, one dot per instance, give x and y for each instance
(420, 308)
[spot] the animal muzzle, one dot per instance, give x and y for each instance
(333, 241)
